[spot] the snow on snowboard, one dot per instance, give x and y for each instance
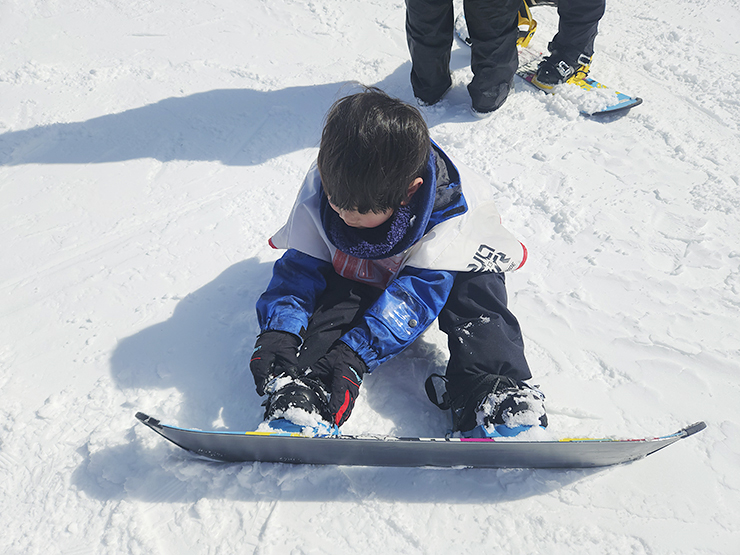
(413, 452)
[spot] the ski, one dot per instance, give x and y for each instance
(286, 447)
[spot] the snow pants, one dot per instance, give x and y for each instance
(578, 25)
(492, 25)
(484, 337)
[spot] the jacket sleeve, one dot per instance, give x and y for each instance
(290, 299)
(404, 310)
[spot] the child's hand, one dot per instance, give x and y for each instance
(275, 353)
(342, 369)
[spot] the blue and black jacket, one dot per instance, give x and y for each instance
(412, 297)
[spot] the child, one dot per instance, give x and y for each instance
(388, 234)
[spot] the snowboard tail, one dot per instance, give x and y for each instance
(412, 452)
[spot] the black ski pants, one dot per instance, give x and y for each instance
(578, 25)
(492, 25)
(484, 337)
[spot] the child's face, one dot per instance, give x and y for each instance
(362, 221)
(353, 218)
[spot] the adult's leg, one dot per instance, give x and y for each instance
(578, 26)
(485, 342)
(492, 25)
(429, 34)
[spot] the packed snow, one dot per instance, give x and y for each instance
(149, 149)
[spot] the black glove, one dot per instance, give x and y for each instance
(275, 353)
(341, 370)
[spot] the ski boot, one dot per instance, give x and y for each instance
(298, 406)
(512, 407)
(562, 66)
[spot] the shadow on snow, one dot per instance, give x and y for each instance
(239, 127)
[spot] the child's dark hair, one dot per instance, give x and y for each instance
(372, 148)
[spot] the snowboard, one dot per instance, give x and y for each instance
(605, 101)
(610, 101)
(294, 448)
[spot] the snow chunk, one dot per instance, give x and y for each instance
(588, 101)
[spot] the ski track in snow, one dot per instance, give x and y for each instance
(149, 149)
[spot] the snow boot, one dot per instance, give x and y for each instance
(298, 406)
(510, 408)
(562, 66)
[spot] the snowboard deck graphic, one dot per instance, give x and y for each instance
(413, 452)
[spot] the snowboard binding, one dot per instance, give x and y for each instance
(298, 405)
(507, 407)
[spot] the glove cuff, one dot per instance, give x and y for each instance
(351, 358)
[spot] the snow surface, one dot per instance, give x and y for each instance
(149, 149)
